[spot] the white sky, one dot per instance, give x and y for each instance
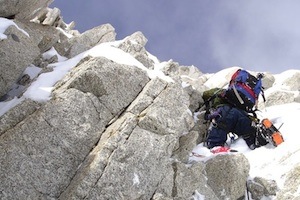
(267, 161)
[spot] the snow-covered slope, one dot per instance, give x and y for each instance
(269, 162)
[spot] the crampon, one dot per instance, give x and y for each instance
(271, 133)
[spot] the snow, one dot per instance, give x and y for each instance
(4, 24)
(221, 78)
(68, 35)
(40, 90)
(6, 106)
(276, 162)
(268, 162)
(52, 52)
(198, 196)
(136, 179)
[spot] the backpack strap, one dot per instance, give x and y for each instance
(237, 94)
(233, 77)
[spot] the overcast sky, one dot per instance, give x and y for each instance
(212, 35)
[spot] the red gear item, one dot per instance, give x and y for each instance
(220, 149)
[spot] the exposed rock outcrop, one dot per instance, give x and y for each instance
(260, 188)
(285, 90)
(291, 188)
(227, 175)
(17, 52)
(111, 130)
(78, 44)
(22, 9)
(135, 45)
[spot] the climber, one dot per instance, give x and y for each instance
(227, 119)
(231, 111)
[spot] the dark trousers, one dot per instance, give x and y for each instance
(232, 120)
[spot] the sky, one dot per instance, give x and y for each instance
(268, 161)
(262, 36)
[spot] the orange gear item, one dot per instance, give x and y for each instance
(267, 123)
(274, 133)
(277, 138)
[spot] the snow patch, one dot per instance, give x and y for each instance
(52, 52)
(135, 180)
(4, 24)
(198, 196)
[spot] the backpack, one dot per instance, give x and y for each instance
(213, 97)
(244, 89)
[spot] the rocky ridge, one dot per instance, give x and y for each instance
(110, 131)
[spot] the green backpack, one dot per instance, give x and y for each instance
(213, 97)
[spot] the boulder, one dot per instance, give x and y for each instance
(115, 85)
(290, 189)
(185, 145)
(171, 69)
(279, 97)
(46, 149)
(116, 165)
(150, 92)
(109, 130)
(227, 175)
(190, 181)
(268, 81)
(190, 72)
(135, 45)
(17, 114)
(22, 9)
(192, 76)
(162, 118)
(17, 52)
(191, 80)
(260, 187)
(78, 44)
(195, 97)
(201, 126)
(45, 37)
(57, 137)
(51, 17)
(291, 83)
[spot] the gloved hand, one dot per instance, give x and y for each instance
(214, 115)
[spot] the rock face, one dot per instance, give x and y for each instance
(227, 174)
(17, 52)
(26, 40)
(89, 39)
(22, 9)
(260, 187)
(291, 188)
(286, 90)
(110, 130)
